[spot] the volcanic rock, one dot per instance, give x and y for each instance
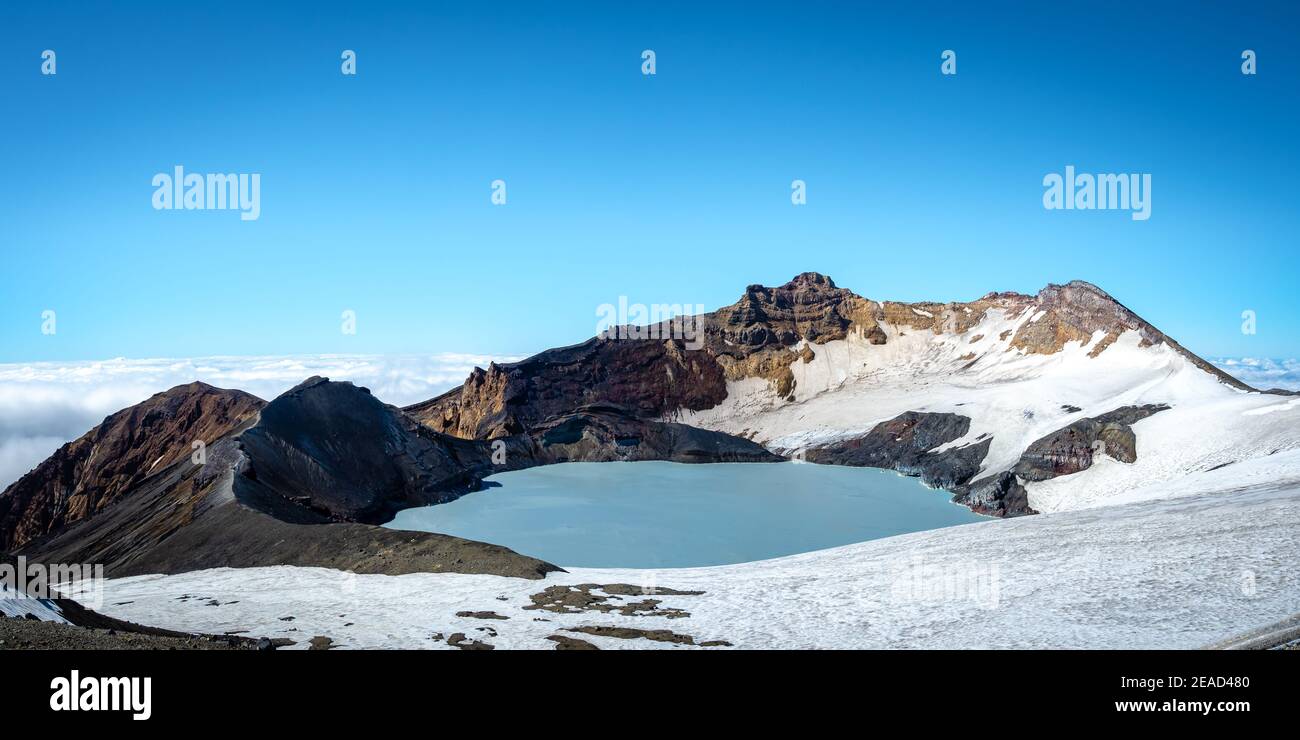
(906, 444)
(1072, 448)
(607, 432)
(996, 495)
(332, 451)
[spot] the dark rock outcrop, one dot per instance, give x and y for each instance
(633, 633)
(999, 495)
(604, 433)
(328, 451)
(1072, 448)
(906, 443)
(570, 643)
(809, 307)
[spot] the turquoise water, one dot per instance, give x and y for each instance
(673, 515)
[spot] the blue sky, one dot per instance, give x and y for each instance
(667, 189)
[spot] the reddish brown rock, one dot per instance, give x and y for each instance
(89, 474)
(651, 377)
(1072, 448)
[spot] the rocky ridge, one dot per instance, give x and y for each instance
(761, 335)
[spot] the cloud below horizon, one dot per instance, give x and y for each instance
(46, 404)
(1262, 373)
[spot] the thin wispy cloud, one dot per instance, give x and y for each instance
(45, 404)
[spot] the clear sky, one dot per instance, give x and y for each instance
(672, 188)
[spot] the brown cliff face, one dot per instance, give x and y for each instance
(760, 336)
(808, 307)
(754, 336)
(654, 378)
(90, 473)
(651, 377)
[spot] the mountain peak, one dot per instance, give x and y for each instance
(810, 279)
(93, 471)
(334, 449)
(1076, 289)
(1084, 284)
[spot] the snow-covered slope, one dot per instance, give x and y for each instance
(11, 605)
(1016, 397)
(1179, 572)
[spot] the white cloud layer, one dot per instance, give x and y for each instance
(1262, 373)
(45, 404)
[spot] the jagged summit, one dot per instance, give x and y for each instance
(810, 278)
(1083, 285)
